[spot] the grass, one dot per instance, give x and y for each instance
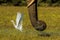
(51, 15)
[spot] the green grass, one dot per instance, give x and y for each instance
(51, 15)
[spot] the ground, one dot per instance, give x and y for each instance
(51, 15)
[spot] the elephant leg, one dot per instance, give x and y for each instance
(37, 24)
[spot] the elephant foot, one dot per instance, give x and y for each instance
(41, 25)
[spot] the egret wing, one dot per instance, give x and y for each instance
(20, 22)
(21, 18)
(18, 18)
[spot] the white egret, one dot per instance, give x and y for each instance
(18, 24)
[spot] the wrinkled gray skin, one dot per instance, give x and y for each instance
(37, 24)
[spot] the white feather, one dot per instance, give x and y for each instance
(18, 18)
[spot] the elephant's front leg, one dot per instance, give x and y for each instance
(32, 9)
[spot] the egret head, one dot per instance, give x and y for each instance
(12, 21)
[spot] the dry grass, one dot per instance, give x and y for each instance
(51, 15)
